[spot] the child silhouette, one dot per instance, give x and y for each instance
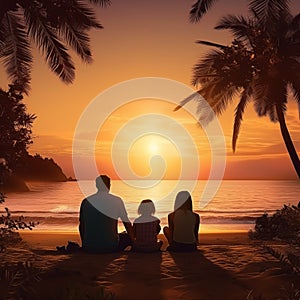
(146, 228)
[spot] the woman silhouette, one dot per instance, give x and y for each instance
(182, 233)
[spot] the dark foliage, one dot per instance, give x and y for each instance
(9, 227)
(290, 292)
(290, 261)
(283, 225)
(17, 281)
(37, 168)
(15, 128)
(73, 293)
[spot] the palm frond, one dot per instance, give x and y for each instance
(78, 40)
(268, 94)
(219, 94)
(232, 67)
(73, 26)
(272, 113)
(192, 97)
(268, 11)
(48, 42)
(238, 116)
(240, 27)
(295, 85)
(2, 35)
(262, 103)
(296, 90)
(16, 52)
(199, 9)
(289, 71)
(208, 106)
(295, 24)
(208, 67)
(103, 3)
(207, 43)
(82, 16)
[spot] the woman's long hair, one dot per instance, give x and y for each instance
(183, 201)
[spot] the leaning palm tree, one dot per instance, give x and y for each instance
(261, 65)
(54, 26)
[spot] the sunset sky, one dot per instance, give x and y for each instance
(152, 39)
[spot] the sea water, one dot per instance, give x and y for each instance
(234, 207)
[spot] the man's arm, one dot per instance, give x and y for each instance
(126, 221)
(129, 230)
(197, 225)
(81, 221)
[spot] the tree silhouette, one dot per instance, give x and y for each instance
(15, 128)
(260, 65)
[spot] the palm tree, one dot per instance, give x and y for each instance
(54, 26)
(261, 65)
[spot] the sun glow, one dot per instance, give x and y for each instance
(161, 147)
(153, 144)
(153, 148)
(150, 146)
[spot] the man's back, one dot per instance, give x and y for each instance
(99, 215)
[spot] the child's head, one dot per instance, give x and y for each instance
(146, 207)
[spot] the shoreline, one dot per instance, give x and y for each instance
(205, 228)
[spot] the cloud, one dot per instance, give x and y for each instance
(50, 144)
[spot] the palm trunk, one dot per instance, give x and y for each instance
(288, 141)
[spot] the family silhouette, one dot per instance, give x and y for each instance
(100, 212)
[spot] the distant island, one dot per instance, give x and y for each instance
(33, 168)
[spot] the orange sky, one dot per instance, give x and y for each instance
(152, 38)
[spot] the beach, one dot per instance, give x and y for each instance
(226, 266)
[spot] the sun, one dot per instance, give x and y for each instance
(153, 144)
(153, 148)
(147, 147)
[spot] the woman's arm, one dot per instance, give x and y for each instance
(158, 228)
(171, 224)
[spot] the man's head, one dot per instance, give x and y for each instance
(103, 183)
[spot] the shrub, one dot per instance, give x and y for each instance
(283, 225)
(17, 281)
(9, 227)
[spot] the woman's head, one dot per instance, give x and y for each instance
(146, 207)
(183, 201)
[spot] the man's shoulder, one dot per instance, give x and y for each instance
(84, 201)
(112, 197)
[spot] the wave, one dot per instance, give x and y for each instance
(64, 220)
(237, 211)
(32, 212)
(67, 210)
(65, 216)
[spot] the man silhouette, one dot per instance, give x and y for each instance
(98, 220)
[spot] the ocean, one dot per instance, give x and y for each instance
(234, 207)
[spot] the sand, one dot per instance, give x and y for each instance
(226, 266)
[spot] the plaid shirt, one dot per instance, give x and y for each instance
(146, 233)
